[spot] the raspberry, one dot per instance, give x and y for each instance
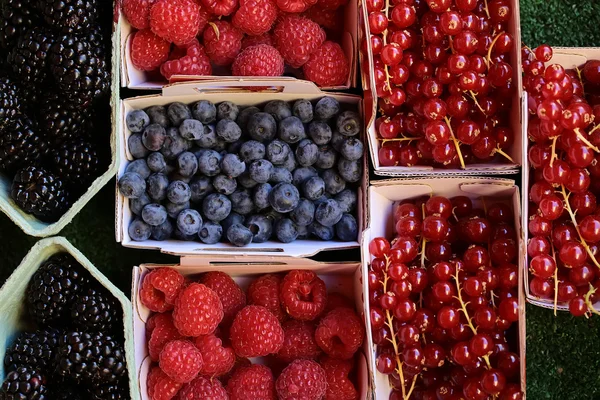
(330, 5)
(180, 360)
(295, 6)
(297, 38)
(217, 359)
(197, 311)
(176, 21)
(260, 60)
(231, 295)
(220, 7)
(254, 382)
(160, 288)
(160, 386)
(332, 20)
(255, 17)
(339, 387)
(239, 364)
(202, 388)
(250, 41)
(157, 319)
(193, 62)
(335, 300)
(303, 295)
(256, 332)
(340, 333)
(328, 66)
(163, 332)
(301, 380)
(299, 341)
(148, 51)
(137, 12)
(264, 292)
(223, 42)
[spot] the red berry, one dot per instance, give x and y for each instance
(220, 7)
(340, 333)
(137, 12)
(256, 332)
(252, 382)
(217, 359)
(148, 51)
(250, 41)
(329, 5)
(160, 288)
(327, 66)
(255, 17)
(193, 62)
(198, 311)
(160, 386)
(297, 38)
(222, 42)
(302, 379)
(180, 360)
(295, 6)
(339, 385)
(260, 60)
(163, 332)
(264, 292)
(231, 295)
(303, 294)
(299, 341)
(176, 21)
(203, 388)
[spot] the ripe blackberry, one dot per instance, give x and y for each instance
(61, 119)
(111, 391)
(21, 144)
(40, 193)
(54, 286)
(35, 350)
(23, 384)
(69, 15)
(29, 57)
(94, 310)
(16, 17)
(76, 161)
(10, 100)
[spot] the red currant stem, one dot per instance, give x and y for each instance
(594, 129)
(412, 386)
(423, 241)
(451, 44)
(503, 154)
(588, 300)
(585, 140)
(555, 279)
(492, 296)
(388, 86)
(474, 97)
(486, 8)
(488, 59)
(456, 143)
(581, 81)
(402, 139)
(485, 213)
(553, 155)
(216, 29)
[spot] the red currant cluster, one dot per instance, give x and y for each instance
(564, 220)
(445, 289)
(443, 77)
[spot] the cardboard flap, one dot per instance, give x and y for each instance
(574, 57)
(243, 261)
(488, 189)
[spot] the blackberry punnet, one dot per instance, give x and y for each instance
(94, 310)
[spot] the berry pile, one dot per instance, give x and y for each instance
(204, 332)
(249, 38)
(443, 76)
(564, 227)
(54, 86)
(217, 173)
(444, 301)
(77, 348)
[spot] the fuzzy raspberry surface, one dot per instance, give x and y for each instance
(230, 293)
(299, 341)
(148, 51)
(302, 380)
(253, 382)
(339, 386)
(328, 66)
(222, 42)
(203, 388)
(250, 41)
(160, 288)
(340, 333)
(220, 7)
(255, 17)
(163, 332)
(160, 386)
(297, 38)
(217, 359)
(264, 291)
(260, 60)
(193, 62)
(176, 21)
(303, 295)
(137, 12)
(198, 310)
(180, 360)
(295, 6)
(256, 332)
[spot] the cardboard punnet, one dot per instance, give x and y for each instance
(383, 194)
(344, 278)
(517, 112)
(13, 297)
(220, 91)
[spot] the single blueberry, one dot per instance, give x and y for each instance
(209, 139)
(174, 144)
(204, 111)
(347, 229)
(291, 130)
(232, 218)
(279, 175)
(224, 184)
(352, 149)
(349, 170)
(334, 183)
(252, 150)
(303, 109)
(178, 112)
(348, 123)
(209, 162)
(179, 192)
(307, 153)
(154, 214)
(304, 214)
(279, 109)
(244, 117)
(261, 127)
(320, 132)
(239, 235)
(137, 120)
(156, 186)
(232, 166)
(302, 174)
(241, 202)
(136, 147)
(328, 213)
(200, 186)
(278, 151)
(337, 139)
(326, 158)
(227, 110)
(132, 185)
(139, 230)
(173, 209)
(347, 200)
(326, 108)
(182, 236)
(154, 137)
(216, 207)
(286, 230)
(210, 233)
(289, 163)
(189, 221)
(261, 228)
(260, 170)
(163, 231)
(158, 115)
(284, 197)
(228, 130)
(321, 231)
(303, 232)
(136, 205)
(261, 195)
(313, 188)
(191, 129)
(246, 181)
(187, 164)
(156, 162)
(139, 166)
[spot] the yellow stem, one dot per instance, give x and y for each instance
(456, 144)
(412, 387)
(474, 97)
(402, 139)
(487, 10)
(216, 29)
(585, 140)
(503, 154)
(588, 301)
(488, 59)
(385, 67)
(553, 155)
(423, 241)
(581, 81)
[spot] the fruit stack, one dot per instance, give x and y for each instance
(54, 105)
(302, 339)
(247, 38)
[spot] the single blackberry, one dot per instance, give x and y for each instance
(76, 161)
(10, 100)
(69, 15)
(35, 350)
(94, 310)
(54, 286)
(24, 384)
(99, 39)
(61, 119)
(16, 17)
(29, 57)
(90, 358)
(41, 193)
(111, 391)
(21, 144)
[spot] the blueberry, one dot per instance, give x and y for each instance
(291, 130)
(232, 219)
(252, 150)
(154, 137)
(232, 166)
(204, 111)
(334, 183)
(187, 164)
(182, 236)
(137, 120)
(228, 130)
(189, 221)
(139, 166)
(163, 231)
(241, 202)
(302, 174)
(174, 144)
(303, 232)
(246, 181)
(279, 175)
(260, 170)
(209, 139)
(158, 115)
(200, 186)
(307, 153)
(179, 192)
(210, 233)
(261, 195)
(191, 129)
(262, 127)
(235, 147)
(178, 112)
(348, 123)
(239, 235)
(326, 158)
(351, 171)
(286, 230)
(289, 163)
(320, 132)
(326, 108)
(347, 200)
(244, 116)
(322, 199)
(154, 214)
(136, 147)
(336, 140)
(313, 188)
(173, 209)
(261, 228)
(139, 230)
(209, 162)
(278, 151)
(328, 213)
(224, 184)
(321, 231)
(304, 214)
(303, 109)
(284, 197)
(132, 185)
(156, 186)
(347, 229)
(279, 109)
(352, 149)
(216, 207)
(155, 162)
(227, 110)
(136, 205)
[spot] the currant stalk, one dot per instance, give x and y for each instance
(386, 11)
(456, 143)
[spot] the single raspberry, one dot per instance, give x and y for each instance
(250, 41)
(148, 51)
(220, 7)
(327, 5)
(176, 21)
(231, 295)
(297, 38)
(156, 319)
(255, 17)
(137, 12)
(303, 295)
(202, 388)
(160, 386)
(193, 62)
(335, 300)
(340, 333)
(217, 359)
(264, 292)
(256, 332)
(328, 66)
(339, 386)
(301, 380)
(222, 42)
(163, 332)
(260, 60)
(160, 288)
(240, 362)
(299, 341)
(180, 360)
(254, 382)
(198, 311)
(295, 6)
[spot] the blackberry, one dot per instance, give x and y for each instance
(67, 391)
(35, 350)
(16, 17)
(40, 193)
(90, 358)
(24, 384)
(111, 391)
(54, 286)
(61, 119)
(76, 161)
(29, 57)
(21, 144)
(94, 310)
(69, 15)
(10, 100)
